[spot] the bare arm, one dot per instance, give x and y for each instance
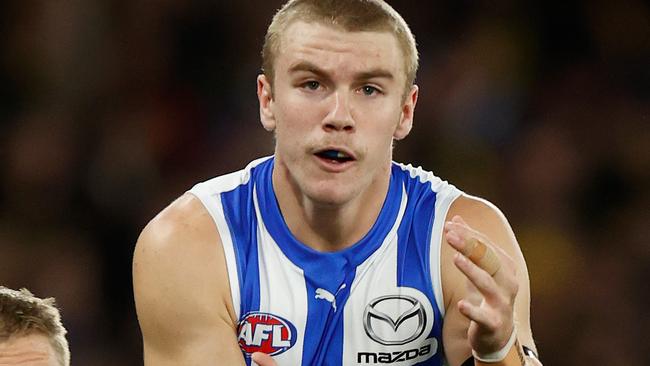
(182, 291)
(482, 310)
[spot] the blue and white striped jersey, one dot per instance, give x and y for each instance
(376, 302)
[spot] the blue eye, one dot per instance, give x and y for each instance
(369, 90)
(312, 85)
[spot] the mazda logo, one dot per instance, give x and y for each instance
(387, 323)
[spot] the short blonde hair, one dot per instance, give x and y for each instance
(22, 313)
(350, 15)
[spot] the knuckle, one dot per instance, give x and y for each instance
(485, 281)
(496, 323)
(515, 287)
(502, 297)
(505, 256)
(506, 301)
(515, 269)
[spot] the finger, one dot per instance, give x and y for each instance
(483, 255)
(473, 295)
(459, 226)
(485, 284)
(475, 313)
(461, 231)
(262, 359)
(465, 230)
(501, 254)
(459, 219)
(466, 242)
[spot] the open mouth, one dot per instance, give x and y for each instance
(335, 156)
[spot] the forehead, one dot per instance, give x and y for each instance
(337, 50)
(27, 350)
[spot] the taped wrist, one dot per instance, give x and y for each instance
(528, 352)
(499, 355)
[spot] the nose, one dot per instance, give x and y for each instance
(339, 117)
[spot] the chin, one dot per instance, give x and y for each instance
(330, 194)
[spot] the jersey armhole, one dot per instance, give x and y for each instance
(212, 203)
(442, 207)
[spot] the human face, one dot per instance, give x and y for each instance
(336, 104)
(27, 350)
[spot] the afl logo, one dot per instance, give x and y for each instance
(264, 332)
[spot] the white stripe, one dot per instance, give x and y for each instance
(209, 193)
(388, 240)
(283, 291)
(212, 202)
(446, 194)
(376, 276)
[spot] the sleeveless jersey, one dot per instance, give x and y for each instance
(377, 302)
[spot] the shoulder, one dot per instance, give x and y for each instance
(185, 216)
(179, 274)
(486, 218)
(470, 206)
(183, 230)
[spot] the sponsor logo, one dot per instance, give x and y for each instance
(392, 357)
(394, 320)
(264, 332)
(323, 294)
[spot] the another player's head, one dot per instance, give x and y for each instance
(349, 15)
(337, 90)
(31, 333)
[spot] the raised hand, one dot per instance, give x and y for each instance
(492, 287)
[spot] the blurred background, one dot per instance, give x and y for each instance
(109, 109)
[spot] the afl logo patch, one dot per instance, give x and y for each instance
(264, 332)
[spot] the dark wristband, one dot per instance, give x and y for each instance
(530, 353)
(469, 362)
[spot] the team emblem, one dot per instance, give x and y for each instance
(394, 320)
(264, 332)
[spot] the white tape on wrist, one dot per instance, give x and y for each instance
(499, 355)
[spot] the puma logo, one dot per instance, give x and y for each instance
(328, 296)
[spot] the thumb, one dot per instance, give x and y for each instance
(262, 359)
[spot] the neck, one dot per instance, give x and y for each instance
(325, 226)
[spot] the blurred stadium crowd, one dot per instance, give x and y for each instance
(109, 109)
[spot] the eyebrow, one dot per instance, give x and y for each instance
(364, 75)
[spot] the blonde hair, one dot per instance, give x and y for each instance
(22, 313)
(351, 16)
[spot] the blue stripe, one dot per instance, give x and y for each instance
(323, 342)
(239, 212)
(325, 338)
(414, 249)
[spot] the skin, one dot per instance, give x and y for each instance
(332, 90)
(481, 310)
(337, 90)
(27, 350)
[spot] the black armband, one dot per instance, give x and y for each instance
(468, 362)
(530, 353)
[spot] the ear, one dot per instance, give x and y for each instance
(406, 118)
(265, 97)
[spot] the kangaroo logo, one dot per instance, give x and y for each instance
(328, 296)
